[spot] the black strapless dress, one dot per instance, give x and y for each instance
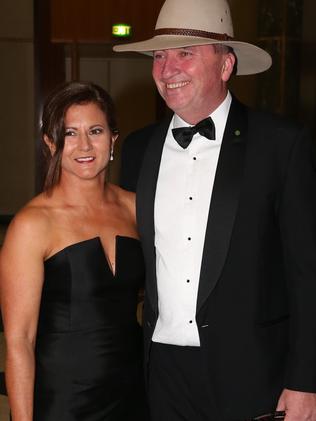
(89, 345)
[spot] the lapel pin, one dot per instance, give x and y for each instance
(237, 132)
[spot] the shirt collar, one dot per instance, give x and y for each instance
(219, 117)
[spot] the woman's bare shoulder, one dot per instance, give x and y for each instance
(32, 222)
(124, 196)
(125, 199)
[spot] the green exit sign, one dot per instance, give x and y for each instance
(121, 30)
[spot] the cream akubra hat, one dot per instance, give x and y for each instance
(185, 23)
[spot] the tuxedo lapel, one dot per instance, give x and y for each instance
(146, 191)
(224, 201)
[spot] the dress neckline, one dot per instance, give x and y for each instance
(93, 239)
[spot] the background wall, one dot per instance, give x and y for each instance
(16, 105)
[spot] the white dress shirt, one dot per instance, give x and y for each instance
(183, 195)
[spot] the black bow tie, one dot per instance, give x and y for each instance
(184, 135)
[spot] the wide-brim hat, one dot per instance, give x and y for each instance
(185, 23)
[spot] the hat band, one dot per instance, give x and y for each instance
(192, 33)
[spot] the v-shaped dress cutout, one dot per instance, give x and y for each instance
(117, 238)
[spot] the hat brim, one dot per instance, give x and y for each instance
(250, 58)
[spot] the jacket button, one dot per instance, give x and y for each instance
(148, 324)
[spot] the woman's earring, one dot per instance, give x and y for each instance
(112, 154)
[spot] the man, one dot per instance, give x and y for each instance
(227, 217)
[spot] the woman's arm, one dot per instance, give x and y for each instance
(21, 279)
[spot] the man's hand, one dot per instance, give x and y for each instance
(298, 406)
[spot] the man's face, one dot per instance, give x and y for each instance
(192, 80)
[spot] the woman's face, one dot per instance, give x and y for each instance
(88, 141)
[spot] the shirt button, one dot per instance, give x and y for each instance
(191, 198)
(188, 281)
(190, 321)
(194, 158)
(189, 238)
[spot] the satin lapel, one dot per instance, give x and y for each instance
(224, 201)
(145, 200)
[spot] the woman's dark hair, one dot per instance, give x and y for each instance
(54, 111)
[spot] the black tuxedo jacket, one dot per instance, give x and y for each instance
(133, 151)
(256, 310)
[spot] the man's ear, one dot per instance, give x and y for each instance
(228, 66)
(50, 144)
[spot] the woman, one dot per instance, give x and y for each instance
(71, 267)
